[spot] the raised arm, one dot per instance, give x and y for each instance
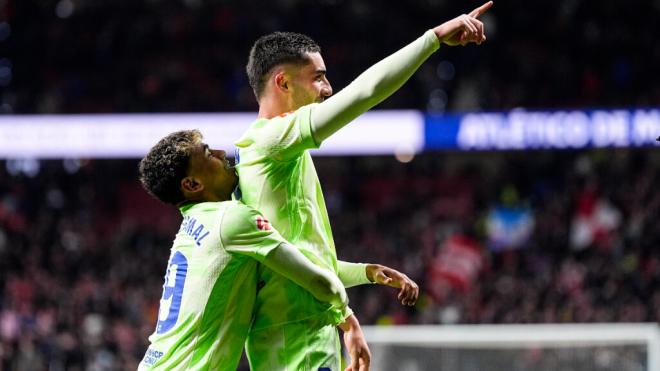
(385, 77)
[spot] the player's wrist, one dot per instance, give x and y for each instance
(350, 324)
(370, 271)
(346, 312)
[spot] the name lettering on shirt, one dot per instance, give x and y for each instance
(194, 229)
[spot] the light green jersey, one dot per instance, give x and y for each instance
(210, 288)
(277, 177)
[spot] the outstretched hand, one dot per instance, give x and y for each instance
(382, 275)
(464, 29)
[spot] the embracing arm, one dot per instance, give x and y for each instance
(289, 262)
(352, 274)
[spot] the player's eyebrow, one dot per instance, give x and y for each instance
(320, 71)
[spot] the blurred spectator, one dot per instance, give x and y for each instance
(83, 249)
(65, 56)
(83, 253)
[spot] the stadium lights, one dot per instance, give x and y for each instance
(399, 133)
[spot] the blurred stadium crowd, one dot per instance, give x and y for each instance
(531, 237)
(83, 249)
(68, 56)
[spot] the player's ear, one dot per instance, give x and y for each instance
(191, 186)
(281, 81)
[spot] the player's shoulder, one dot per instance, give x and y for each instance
(278, 138)
(236, 205)
(203, 207)
(279, 121)
(217, 210)
(301, 113)
(237, 211)
(240, 218)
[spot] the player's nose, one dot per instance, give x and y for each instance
(327, 90)
(219, 153)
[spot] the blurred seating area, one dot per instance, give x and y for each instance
(67, 56)
(509, 237)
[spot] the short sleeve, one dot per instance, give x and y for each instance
(243, 230)
(286, 136)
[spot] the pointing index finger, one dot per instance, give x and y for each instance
(481, 10)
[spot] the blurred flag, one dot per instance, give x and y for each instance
(594, 222)
(509, 227)
(456, 267)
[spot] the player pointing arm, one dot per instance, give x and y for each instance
(372, 87)
(387, 76)
(277, 177)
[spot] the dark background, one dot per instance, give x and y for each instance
(189, 55)
(83, 249)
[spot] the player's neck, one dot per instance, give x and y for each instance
(204, 198)
(270, 107)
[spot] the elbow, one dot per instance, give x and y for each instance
(370, 93)
(326, 291)
(366, 90)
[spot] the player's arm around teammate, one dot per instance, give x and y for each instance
(208, 298)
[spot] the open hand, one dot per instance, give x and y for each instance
(382, 275)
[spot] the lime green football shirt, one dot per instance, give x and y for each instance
(210, 288)
(277, 177)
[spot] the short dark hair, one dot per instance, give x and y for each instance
(162, 169)
(274, 49)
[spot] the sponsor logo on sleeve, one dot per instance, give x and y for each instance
(263, 224)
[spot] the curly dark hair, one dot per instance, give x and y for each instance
(275, 49)
(162, 169)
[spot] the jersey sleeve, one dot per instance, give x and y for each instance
(286, 136)
(243, 230)
(372, 86)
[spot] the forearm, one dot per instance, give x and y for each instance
(352, 274)
(324, 285)
(350, 323)
(372, 86)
